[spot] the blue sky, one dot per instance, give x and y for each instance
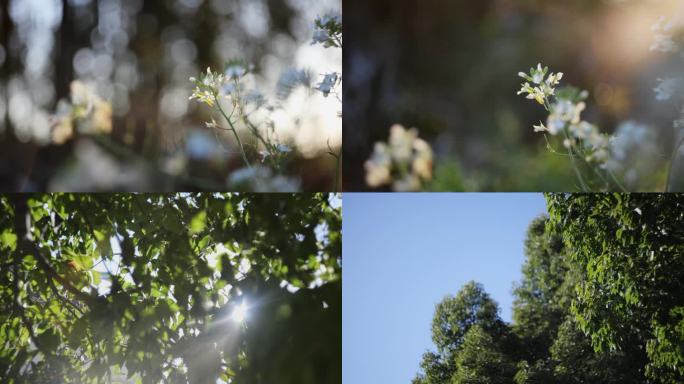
(403, 253)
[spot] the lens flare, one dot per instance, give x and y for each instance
(239, 312)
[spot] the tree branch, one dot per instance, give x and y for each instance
(24, 245)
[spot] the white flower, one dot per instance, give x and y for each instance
(378, 166)
(235, 71)
(83, 95)
(320, 36)
(632, 142)
(401, 142)
(563, 113)
(408, 183)
(582, 130)
(282, 148)
(422, 161)
(207, 87)
(329, 81)
(540, 127)
(679, 123)
(212, 124)
(89, 113)
(554, 124)
(662, 39)
(261, 179)
(544, 88)
(666, 88)
(290, 79)
(404, 162)
(229, 88)
(597, 146)
(570, 111)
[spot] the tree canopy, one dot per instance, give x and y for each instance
(601, 300)
(179, 288)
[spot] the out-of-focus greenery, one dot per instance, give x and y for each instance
(93, 287)
(449, 68)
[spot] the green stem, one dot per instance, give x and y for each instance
(338, 41)
(615, 179)
(255, 132)
(338, 159)
(574, 164)
(668, 186)
(232, 129)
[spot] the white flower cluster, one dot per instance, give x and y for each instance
(542, 87)
(87, 113)
(207, 87)
(290, 79)
(328, 83)
(262, 179)
(663, 35)
(405, 162)
(213, 85)
(667, 88)
(632, 148)
(580, 136)
(565, 110)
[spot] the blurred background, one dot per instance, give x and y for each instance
(139, 55)
(449, 68)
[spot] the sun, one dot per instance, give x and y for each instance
(239, 312)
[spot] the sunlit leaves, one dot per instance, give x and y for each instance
(629, 248)
(8, 240)
(160, 271)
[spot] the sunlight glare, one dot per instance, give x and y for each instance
(239, 313)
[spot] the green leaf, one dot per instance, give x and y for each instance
(8, 239)
(95, 276)
(198, 223)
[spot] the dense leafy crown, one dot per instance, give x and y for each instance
(95, 287)
(601, 301)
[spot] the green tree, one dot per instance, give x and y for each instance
(576, 362)
(156, 286)
(557, 350)
(601, 301)
(454, 316)
(630, 249)
(481, 360)
(543, 296)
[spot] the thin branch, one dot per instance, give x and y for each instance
(47, 268)
(69, 303)
(24, 245)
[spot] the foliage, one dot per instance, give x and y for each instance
(454, 316)
(542, 298)
(600, 300)
(93, 286)
(629, 247)
(481, 361)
